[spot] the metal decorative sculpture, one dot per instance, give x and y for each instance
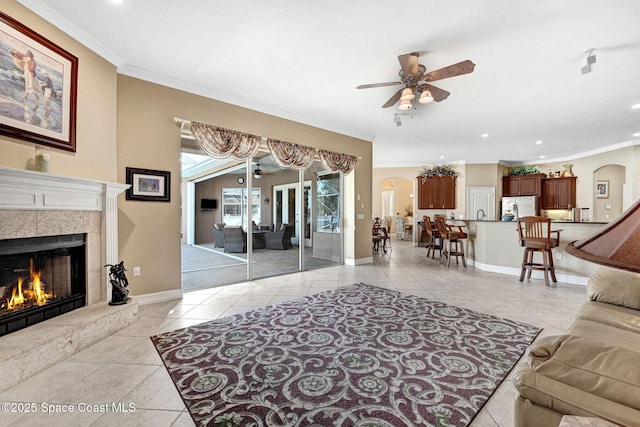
(119, 283)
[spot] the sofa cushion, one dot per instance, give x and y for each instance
(614, 286)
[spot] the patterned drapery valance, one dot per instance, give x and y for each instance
(289, 155)
(221, 143)
(337, 162)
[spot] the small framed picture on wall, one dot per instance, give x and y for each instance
(148, 185)
(602, 189)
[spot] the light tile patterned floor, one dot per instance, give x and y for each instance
(125, 368)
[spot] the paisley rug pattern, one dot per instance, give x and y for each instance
(356, 356)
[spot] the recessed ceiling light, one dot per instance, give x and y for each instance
(117, 1)
(485, 135)
(543, 157)
(538, 142)
(442, 157)
(637, 134)
(636, 106)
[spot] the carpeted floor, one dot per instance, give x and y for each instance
(356, 356)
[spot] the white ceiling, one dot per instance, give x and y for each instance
(302, 60)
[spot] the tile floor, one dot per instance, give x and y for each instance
(125, 368)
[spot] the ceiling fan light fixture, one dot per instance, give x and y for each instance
(425, 97)
(407, 94)
(405, 104)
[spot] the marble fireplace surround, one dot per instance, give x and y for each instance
(34, 204)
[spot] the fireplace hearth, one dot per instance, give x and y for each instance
(40, 278)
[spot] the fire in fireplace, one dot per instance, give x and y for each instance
(40, 278)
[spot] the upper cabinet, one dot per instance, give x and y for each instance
(559, 193)
(437, 192)
(522, 185)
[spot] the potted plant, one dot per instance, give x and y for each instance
(523, 170)
(437, 170)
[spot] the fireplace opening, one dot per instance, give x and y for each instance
(40, 278)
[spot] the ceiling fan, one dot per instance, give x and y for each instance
(415, 80)
(257, 173)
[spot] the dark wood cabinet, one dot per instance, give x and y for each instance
(437, 192)
(522, 185)
(559, 193)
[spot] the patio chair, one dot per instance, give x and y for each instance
(235, 240)
(218, 235)
(280, 239)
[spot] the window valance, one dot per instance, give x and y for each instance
(289, 155)
(221, 143)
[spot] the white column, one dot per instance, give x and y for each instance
(110, 231)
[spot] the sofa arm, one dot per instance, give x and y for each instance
(573, 376)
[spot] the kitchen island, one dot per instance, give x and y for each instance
(493, 246)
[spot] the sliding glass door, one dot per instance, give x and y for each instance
(292, 220)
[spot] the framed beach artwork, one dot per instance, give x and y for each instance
(38, 87)
(149, 185)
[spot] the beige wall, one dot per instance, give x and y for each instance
(148, 138)
(96, 154)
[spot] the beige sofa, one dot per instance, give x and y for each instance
(594, 369)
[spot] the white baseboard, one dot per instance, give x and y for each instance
(512, 271)
(359, 261)
(152, 298)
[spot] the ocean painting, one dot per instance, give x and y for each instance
(38, 83)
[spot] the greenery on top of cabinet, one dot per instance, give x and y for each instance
(524, 170)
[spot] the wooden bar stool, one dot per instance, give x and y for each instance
(453, 243)
(434, 240)
(534, 233)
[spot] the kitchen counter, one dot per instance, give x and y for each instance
(493, 246)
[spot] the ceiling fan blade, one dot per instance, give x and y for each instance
(464, 67)
(378, 85)
(409, 64)
(437, 93)
(395, 98)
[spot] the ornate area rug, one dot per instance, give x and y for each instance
(356, 356)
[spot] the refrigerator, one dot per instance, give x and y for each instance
(520, 206)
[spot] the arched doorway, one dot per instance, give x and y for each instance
(608, 192)
(396, 197)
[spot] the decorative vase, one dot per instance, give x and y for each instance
(43, 158)
(568, 170)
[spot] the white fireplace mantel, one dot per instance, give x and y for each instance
(26, 190)
(29, 190)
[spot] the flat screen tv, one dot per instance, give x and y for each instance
(208, 203)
